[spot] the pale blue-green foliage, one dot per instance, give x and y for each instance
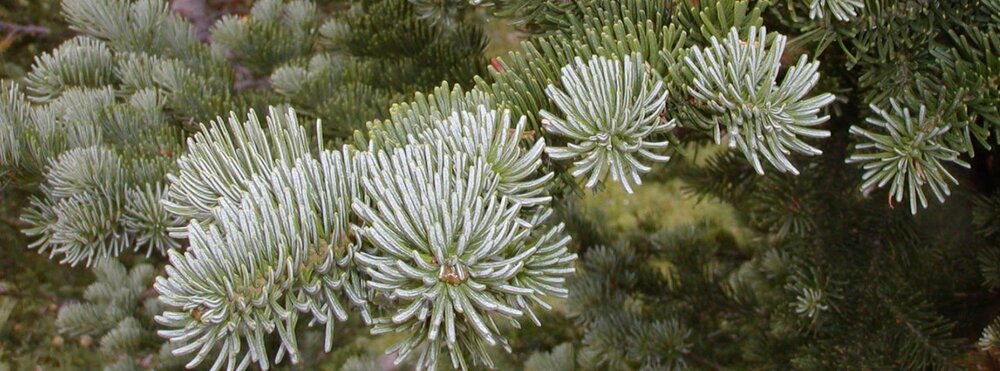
(613, 111)
(15, 114)
(86, 212)
(453, 120)
(990, 338)
(102, 162)
(275, 32)
(561, 358)
(223, 304)
(29, 137)
(83, 170)
(278, 214)
(445, 223)
(136, 71)
(127, 335)
(118, 313)
(451, 248)
(148, 220)
(734, 83)
(313, 86)
(810, 303)
(906, 152)
(842, 10)
(112, 298)
(491, 135)
(443, 212)
(146, 45)
(409, 118)
(95, 102)
(81, 61)
(139, 26)
(520, 79)
(223, 158)
(288, 234)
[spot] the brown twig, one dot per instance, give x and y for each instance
(25, 29)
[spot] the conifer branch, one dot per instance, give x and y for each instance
(905, 153)
(737, 92)
(614, 112)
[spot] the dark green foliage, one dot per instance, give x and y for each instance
(705, 19)
(834, 277)
(986, 215)
(823, 285)
(848, 272)
(373, 55)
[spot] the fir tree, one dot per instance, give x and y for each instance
(448, 217)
